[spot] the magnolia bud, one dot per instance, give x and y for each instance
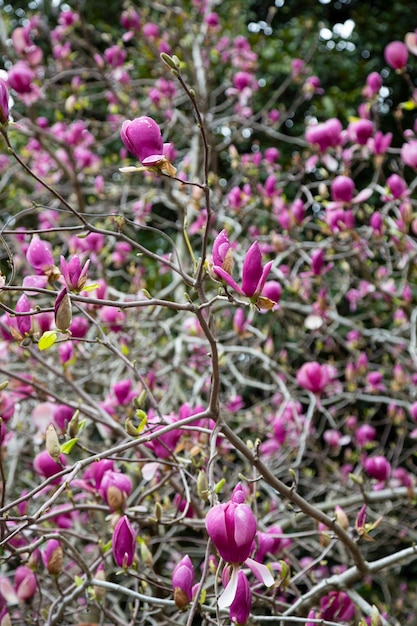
(63, 312)
(202, 485)
(52, 443)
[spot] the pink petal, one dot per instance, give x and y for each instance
(261, 572)
(227, 279)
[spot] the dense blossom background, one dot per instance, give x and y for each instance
(208, 372)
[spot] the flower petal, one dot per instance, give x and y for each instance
(261, 572)
(229, 593)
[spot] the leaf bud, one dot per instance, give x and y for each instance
(202, 485)
(52, 443)
(168, 60)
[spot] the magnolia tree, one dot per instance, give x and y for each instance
(208, 331)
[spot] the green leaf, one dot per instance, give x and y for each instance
(219, 486)
(410, 105)
(68, 445)
(90, 287)
(47, 340)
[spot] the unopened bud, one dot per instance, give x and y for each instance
(202, 485)
(100, 591)
(55, 562)
(63, 312)
(116, 499)
(168, 60)
(74, 424)
(376, 619)
(52, 443)
(180, 599)
(130, 428)
(145, 554)
(3, 385)
(341, 517)
(158, 511)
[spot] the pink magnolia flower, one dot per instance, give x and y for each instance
(45, 466)
(409, 153)
(124, 543)
(397, 186)
(24, 587)
(73, 273)
(4, 103)
(396, 55)
(52, 557)
(24, 322)
(314, 377)
(342, 188)
(39, 255)
(373, 85)
(20, 77)
(337, 605)
(142, 137)
(114, 488)
(182, 582)
(326, 135)
(380, 143)
(222, 252)
(377, 467)
(360, 131)
(232, 528)
(254, 275)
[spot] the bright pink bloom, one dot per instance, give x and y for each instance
(380, 143)
(314, 377)
(142, 137)
(24, 322)
(337, 606)
(396, 54)
(272, 290)
(409, 153)
(4, 103)
(114, 488)
(124, 543)
(373, 85)
(377, 467)
(365, 434)
(241, 80)
(342, 189)
(73, 273)
(317, 261)
(326, 135)
(254, 275)
(52, 556)
(182, 581)
(115, 56)
(25, 583)
(20, 77)
(130, 19)
(240, 608)
(360, 131)
(222, 251)
(39, 255)
(232, 528)
(45, 466)
(397, 186)
(270, 543)
(151, 30)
